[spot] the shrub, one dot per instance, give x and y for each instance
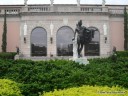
(122, 53)
(8, 55)
(9, 88)
(89, 91)
(45, 76)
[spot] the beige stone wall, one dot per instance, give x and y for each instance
(44, 22)
(59, 21)
(15, 35)
(15, 26)
(62, 15)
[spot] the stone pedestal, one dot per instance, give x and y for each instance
(17, 57)
(75, 53)
(82, 60)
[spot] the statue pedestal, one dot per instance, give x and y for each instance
(17, 57)
(82, 60)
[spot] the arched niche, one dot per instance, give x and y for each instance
(64, 41)
(38, 42)
(93, 48)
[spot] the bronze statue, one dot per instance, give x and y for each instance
(84, 36)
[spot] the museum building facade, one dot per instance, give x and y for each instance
(45, 30)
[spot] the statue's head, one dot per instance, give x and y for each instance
(80, 22)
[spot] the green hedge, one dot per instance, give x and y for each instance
(122, 53)
(89, 91)
(42, 76)
(9, 88)
(8, 55)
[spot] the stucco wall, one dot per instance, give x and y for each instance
(13, 36)
(13, 31)
(117, 33)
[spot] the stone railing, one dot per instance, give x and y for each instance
(39, 9)
(93, 9)
(116, 11)
(10, 10)
(65, 8)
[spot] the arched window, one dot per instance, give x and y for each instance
(39, 42)
(64, 41)
(93, 48)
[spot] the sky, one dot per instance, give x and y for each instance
(115, 2)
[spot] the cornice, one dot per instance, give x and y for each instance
(63, 13)
(116, 15)
(10, 15)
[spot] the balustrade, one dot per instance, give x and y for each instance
(12, 11)
(94, 9)
(59, 8)
(116, 11)
(39, 9)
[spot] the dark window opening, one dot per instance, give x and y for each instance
(93, 48)
(64, 41)
(39, 42)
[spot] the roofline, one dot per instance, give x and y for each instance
(61, 5)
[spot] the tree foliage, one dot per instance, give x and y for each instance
(4, 36)
(125, 29)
